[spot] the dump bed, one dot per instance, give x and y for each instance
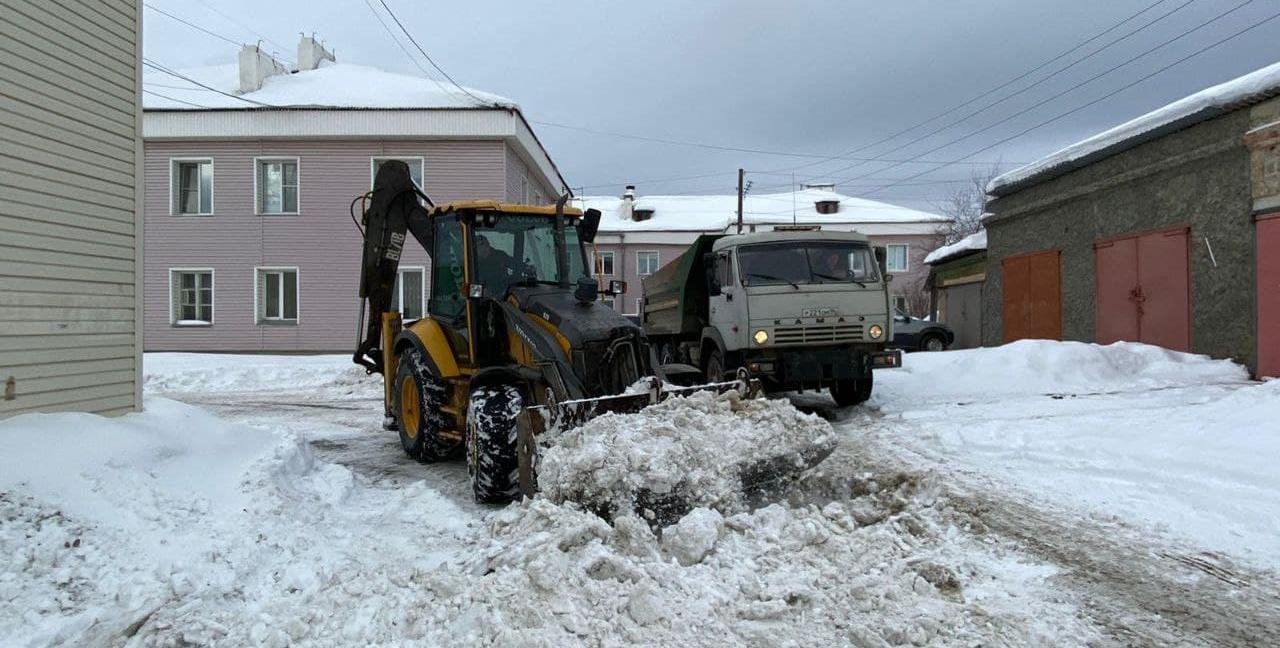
(675, 297)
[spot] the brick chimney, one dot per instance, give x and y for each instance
(311, 53)
(255, 66)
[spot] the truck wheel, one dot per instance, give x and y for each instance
(714, 366)
(492, 459)
(848, 393)
(933, 343)
(418, 397)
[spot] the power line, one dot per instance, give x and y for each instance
(156, 66)
(1027, 88)
(407, 53)
(428, 57)
(190, 24)
(1095, 101)
(181, 101)
(1062, 93)
(245, 27)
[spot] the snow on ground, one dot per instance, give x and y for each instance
(213, 372)
(295, 518)
(1179, 441)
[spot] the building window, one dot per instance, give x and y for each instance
(407, 297)
(192, 187)
(524, 189)
(604, 264)
(191, 296)
(646, 262)
(639, 302)
(277, 183)
(277, 295)
(607, 300)
(896, 258)
(416, 165)
(900, 304)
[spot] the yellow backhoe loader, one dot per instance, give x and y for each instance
(514, 340)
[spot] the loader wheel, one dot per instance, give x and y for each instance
(852, 392)
(492, 459)
(418, 397)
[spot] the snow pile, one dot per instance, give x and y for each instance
(214, 372)
(972, 242)
(1048, 367)
(698, 451)
(1222, 96)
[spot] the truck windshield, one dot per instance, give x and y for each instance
(521, 248)
(807, 262)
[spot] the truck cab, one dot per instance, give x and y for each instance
(797, 308)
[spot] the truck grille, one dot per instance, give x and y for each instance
(817, 334)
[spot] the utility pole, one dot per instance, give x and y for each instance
(741, 174)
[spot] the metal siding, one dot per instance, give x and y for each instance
(1116, 273)
(68, 197)
(1032, 297)
(1269, 296)
(321, 241)
(1164, 313)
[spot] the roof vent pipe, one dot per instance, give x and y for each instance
(629, 203)
(311, 53)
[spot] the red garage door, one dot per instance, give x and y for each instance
(1032, 297)
(1143, 290)
(1269, 295)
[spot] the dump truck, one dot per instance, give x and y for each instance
(515, 340)
(796, 308)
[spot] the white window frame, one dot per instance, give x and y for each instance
(899, 303)
(399, 287)
(637, 301)
(524, 189)
(213, 298)
(596, 261)
(260, 314)
(213, 177)
(257, 177)
(657, 254)
(422, 166)
(609, 300)
(906, 257)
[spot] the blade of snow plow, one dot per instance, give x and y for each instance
(536, 420)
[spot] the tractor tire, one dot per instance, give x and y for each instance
(714, 366)
(848, 393)
(418, 396)
(492, 458)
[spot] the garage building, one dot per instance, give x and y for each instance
(1164, 229)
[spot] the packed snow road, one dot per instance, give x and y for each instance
(1037, 494)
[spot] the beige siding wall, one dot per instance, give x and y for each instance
(69, 196)
(519, 175)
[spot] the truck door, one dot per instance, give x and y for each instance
(729, 308)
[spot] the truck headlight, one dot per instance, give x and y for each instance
(761, 336)
(876, 332)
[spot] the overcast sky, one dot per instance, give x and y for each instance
(810, 78)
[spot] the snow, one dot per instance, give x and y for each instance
(717, 213)
(211, 372)
(332, 85)
(292, 518)
(1224, 95)
(1181, 443)
(970, 243)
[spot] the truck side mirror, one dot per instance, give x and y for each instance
(713, 278)
(590, 225)
(882, 257)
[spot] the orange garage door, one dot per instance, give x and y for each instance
(1032, 296)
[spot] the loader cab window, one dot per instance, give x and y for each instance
(521, 249)
(446, 277)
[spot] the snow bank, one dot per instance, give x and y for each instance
(681, 453)
(215, 372)
(1265, 80)
(1047, 367)
(975, 241)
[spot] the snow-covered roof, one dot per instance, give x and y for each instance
(332, 85)
(1206, 104)
(716, 213)
(971, 243)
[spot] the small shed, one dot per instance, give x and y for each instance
(957, 274)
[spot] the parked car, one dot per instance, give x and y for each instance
(916, 334)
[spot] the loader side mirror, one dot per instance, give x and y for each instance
(713, 277)
(589, 226)
(617, 287)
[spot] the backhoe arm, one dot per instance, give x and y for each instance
(393, 209)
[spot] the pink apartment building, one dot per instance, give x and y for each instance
(250, 171)
(639, 234)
